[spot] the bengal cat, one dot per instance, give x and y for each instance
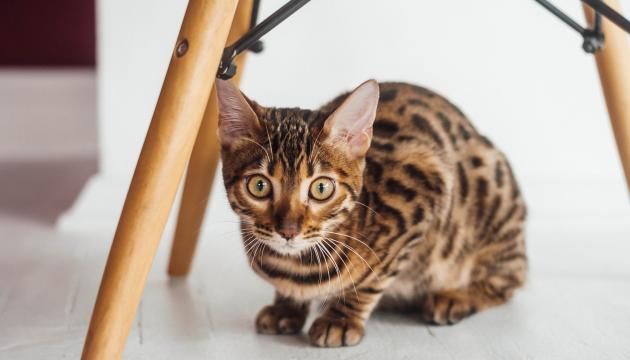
(387, 195)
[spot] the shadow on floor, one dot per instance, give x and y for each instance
(42, 189)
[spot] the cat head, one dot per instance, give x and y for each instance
(294, 175)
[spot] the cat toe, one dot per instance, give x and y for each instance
(327, 332)
(279, 320)
(446, 308)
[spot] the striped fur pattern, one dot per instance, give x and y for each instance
(430, 219)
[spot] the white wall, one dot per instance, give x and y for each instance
(517, 71)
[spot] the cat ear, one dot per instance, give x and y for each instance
(237, 119)
(350, 126)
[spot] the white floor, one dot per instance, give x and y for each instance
(575, 306)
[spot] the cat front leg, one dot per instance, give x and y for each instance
(284, 316)
(343, 322)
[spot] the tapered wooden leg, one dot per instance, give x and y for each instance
(166, 150)
(203, 165)
(613, 63)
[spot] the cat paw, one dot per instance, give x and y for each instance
(280, 320)
(327, 332)
(446, 308)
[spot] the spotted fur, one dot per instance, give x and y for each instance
(430, 219)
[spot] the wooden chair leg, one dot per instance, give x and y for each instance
(166, 150)
(613, 63)
(203, 164)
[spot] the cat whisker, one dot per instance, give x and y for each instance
(255, 244)
(315, 144)
(327, 269)
(265, 150)
(248, 252)
(260, 247)
(315, 154)
(316, 158)
(369, 208)
(345, 265)
(253, 257)
(246, 231)
(319, 266)
(249, 248)
(262, 253)
(249, 241)
(339, 283)
(356, 253)
(247, 236)
(251, 252)
(360, 241)
(269, 138)
(327, 257)
(311, 251)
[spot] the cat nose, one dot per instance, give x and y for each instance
(288, 231)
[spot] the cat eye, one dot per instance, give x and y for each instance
(258, 186)
(322, 188)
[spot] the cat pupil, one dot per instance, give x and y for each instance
(260, 185)
(321, 188)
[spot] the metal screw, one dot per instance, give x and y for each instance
(593, 41)
(182, 48)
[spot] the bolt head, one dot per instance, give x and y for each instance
(181, 48)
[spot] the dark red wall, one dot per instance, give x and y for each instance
(47, 33)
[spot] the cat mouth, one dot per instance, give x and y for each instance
(290, 247)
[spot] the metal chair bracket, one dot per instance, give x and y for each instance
(593, 39)
(251, 39)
